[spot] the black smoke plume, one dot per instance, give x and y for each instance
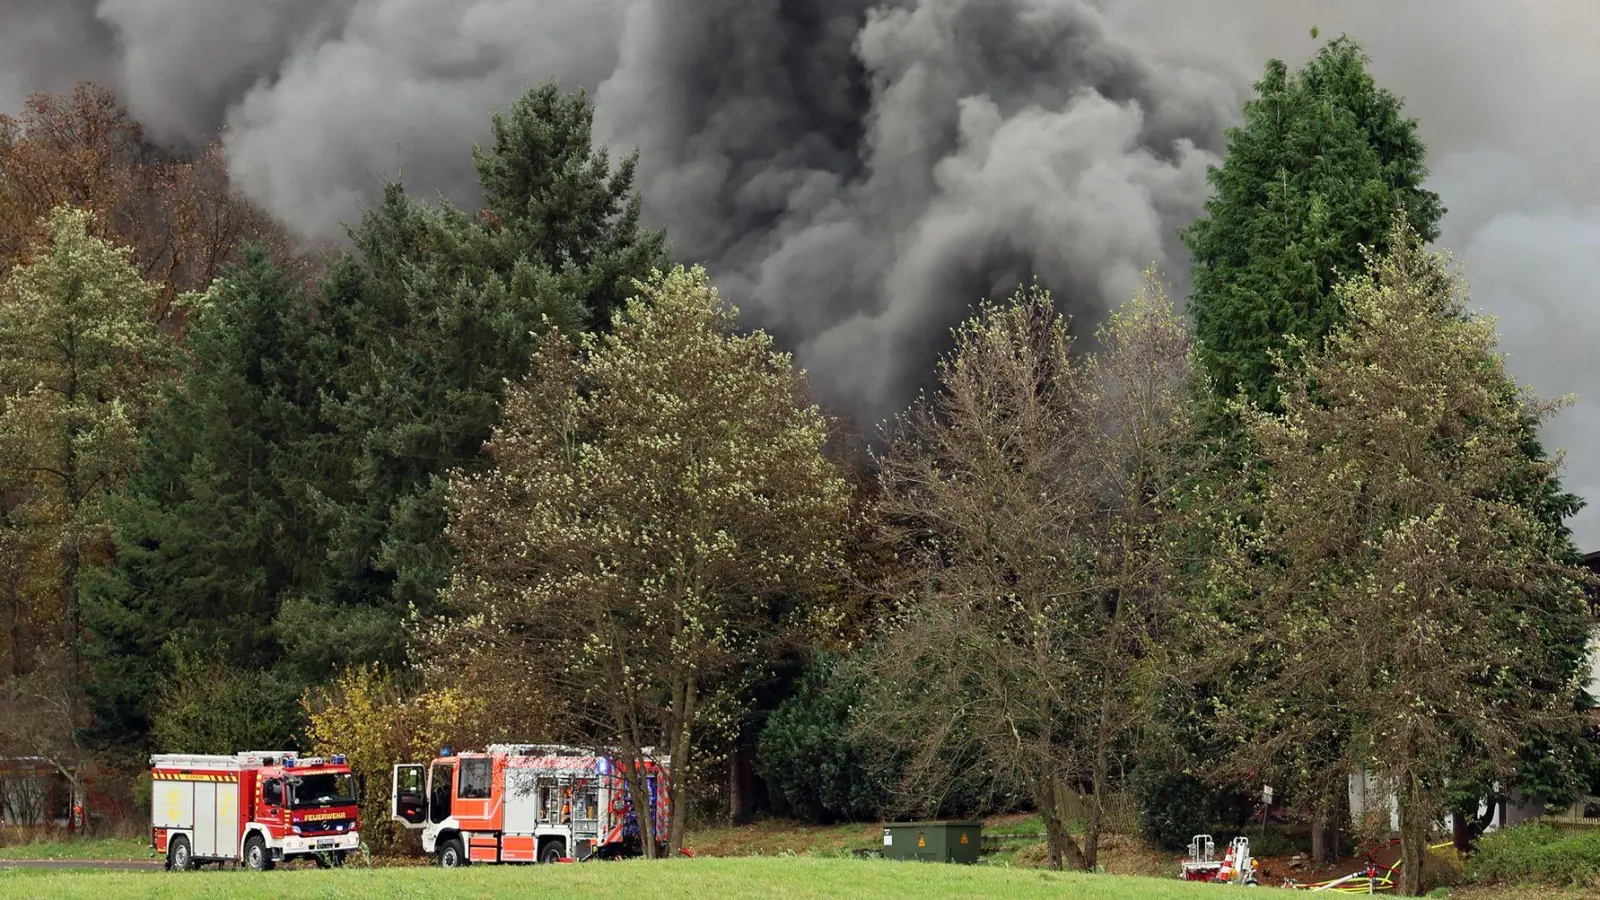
(856, 173)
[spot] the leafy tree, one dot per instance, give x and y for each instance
(79, 355)
(1323, 161)
(1038, 499)
(431, 314)
(1410, 595)
(656, 498)
(218, 523)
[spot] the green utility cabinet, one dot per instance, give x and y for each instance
(956, 842)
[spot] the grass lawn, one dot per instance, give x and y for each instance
(697, 879)
(86, 848)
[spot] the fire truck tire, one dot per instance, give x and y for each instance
(179, 859)
(452, 853)
(256, 856)
(552, 852)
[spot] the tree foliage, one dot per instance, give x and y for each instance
(1037, 498)
(430, 315)
(181, 219)
(656, 498)
(218, 524)
(209, 705)
(1409, 594)
(1322, 162)
(78, 351)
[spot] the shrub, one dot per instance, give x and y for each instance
(377, 722)
(1539, 854)
(209, 706)
(1173, 806)
(808, 758)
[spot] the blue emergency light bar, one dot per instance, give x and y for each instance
(338, 759)
(444, 751)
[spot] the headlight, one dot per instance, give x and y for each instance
(295, 829)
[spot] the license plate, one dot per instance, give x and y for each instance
(324, 845)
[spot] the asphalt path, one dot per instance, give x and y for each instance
(120, 865)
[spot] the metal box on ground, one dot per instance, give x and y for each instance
(956, 842)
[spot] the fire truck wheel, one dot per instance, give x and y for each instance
(179, 859)
(255, 853)
(452, 854)
(552, 852)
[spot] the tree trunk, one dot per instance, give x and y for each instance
(1064, 852)
(1091, 837)
(1325, 829)
(1459, 833)
(639, 794)
(679, 751)
(71, 550)
(1319, 839)
(14, 624)
(740, 790)
(71, 562)
(1413, 837)
(1467, 826)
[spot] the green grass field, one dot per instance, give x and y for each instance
(697, 879)
(87, 848)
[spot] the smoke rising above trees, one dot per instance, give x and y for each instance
(861, 170)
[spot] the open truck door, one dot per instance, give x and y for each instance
(408, 802)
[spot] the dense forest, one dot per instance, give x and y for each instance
(519, 473)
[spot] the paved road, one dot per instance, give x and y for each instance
(141, 865)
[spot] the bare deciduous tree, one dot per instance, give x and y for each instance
(1038, 499)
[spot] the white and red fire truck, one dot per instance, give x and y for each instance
(258, 808)
(525, 803)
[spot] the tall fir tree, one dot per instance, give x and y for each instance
(433, 311)
(217, 526)
(1323, 161)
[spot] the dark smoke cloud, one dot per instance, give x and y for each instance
(48, 45)
(860, 174)
(856, 173)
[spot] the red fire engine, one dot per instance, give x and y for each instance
(258, 808)
(524, 803)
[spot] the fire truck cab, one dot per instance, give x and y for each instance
(526, 803)
(259, 808)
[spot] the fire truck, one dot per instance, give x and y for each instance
(259, 808)
(527, 803)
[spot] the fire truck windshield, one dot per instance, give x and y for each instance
(321, 789)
